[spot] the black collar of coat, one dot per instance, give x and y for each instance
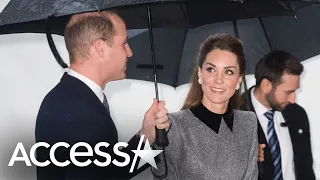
(213, 120)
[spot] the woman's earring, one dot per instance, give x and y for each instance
(237, 87)
(199, 81)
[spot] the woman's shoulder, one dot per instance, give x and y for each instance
(245, 116)
(180, 114)
(183, 117)
(245, 113)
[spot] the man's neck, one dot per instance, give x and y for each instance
(89, 73)
(261, 97)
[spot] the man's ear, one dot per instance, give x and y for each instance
(266, 85)
(99, 48)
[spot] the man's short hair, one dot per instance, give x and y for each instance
(274, 64)
(83, 29)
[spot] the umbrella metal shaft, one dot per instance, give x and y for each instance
(152, 52)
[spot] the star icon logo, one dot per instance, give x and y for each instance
(147, 155)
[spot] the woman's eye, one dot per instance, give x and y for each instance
(229, 72)
(210, 69)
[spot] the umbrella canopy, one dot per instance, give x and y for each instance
(31, 16)
(21, 16)
(51, 16)
(176, 48)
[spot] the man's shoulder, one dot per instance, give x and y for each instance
(64, 97)
(58, 94)
(68, 89)
(294, 113)
(294, 109)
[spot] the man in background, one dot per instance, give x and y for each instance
(283, 124)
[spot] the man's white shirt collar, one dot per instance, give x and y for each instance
(98, 91)
(258, 107)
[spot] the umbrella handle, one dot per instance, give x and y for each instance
(52, 45)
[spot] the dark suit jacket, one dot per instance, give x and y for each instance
(296, 118)
(72, 113)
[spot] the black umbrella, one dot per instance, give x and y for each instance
(51, 16)
(29, 15)
(176, 48)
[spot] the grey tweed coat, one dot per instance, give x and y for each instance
(196, 152)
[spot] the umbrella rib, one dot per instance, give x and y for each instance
(186, 12)
(62, 6)
(248, 9)
(236, 30)
(265, 33)
(287, 8)
(179, 61)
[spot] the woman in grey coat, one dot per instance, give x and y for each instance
(208, 138)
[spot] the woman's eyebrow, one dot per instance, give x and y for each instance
(227, 67)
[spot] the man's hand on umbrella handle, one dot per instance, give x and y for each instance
(156, 116)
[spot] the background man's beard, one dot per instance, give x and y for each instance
(271, 99)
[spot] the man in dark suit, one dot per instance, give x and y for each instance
(76, 109)
(283, 124)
